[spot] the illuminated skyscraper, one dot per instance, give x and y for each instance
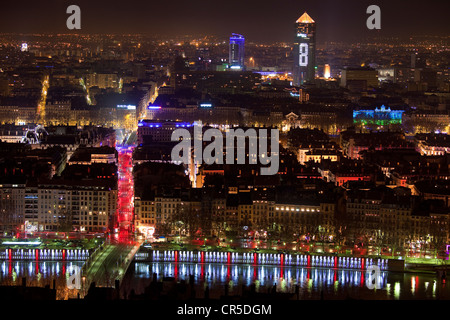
(327, 71)
(304, 50)
(236, 59)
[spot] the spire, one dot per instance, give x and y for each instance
(305, 18)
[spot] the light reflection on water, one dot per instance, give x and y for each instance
(313, 282)
(39, 274)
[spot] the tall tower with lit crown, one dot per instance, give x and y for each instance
(304, 50)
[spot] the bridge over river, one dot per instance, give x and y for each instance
(109, 263)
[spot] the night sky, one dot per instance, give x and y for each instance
(261, 21)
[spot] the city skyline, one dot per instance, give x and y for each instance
(269, 160)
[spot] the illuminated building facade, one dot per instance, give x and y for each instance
(94, 215)
(102, 80)
(90, 204)
(378, 117)
(17, 114)
(304, 50)
(206, 112)
(151, 214)
(433, 144)
(327, 71)
(236, 54)
(158, 131)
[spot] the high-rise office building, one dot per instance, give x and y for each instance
(236, 59)
(304, 50)
(327, 71)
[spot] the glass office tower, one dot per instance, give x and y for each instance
(236, 59)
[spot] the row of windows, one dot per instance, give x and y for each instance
(74, 193)
(297, 209)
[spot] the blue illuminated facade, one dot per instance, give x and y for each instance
(236, 53)
(158, 124)
(158, 131)
(379, 117)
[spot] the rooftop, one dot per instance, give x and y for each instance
(305, 18)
